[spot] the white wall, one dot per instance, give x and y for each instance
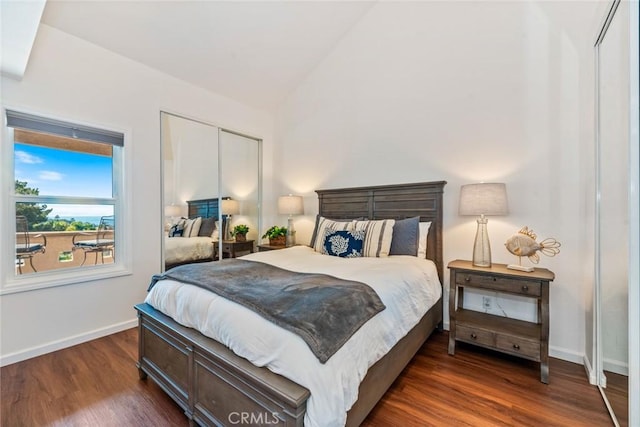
(71, 79)
(465, 92)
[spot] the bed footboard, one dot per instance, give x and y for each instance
(211, 384)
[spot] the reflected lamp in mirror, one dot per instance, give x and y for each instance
(229, 207)
(484, 199)
(290, 205)
(171, 212)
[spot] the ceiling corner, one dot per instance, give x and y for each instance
(19, 21)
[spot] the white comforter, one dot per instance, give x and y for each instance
(408, 286)
(184, 249)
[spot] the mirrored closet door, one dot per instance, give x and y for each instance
(211, 183)
(612, 56)
(240, 173)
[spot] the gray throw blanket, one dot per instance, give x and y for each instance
(324, 310)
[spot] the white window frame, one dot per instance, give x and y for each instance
(13, 283)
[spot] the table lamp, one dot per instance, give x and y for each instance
(483, 199)
(290, 205)
(229, 207)
(171, 212)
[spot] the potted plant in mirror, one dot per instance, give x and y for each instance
(277, 235)
(240, 232)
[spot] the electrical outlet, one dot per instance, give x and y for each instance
(486, 303)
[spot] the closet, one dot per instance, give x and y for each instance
(202, 161)
(616, 216)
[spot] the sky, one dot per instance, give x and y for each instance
(65, 173)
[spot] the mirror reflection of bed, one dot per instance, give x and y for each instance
(203, 162)
(192, 239)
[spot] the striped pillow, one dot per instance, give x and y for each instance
(320, 231)
(192, 227)
(378, 236)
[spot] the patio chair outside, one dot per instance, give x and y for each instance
(99, 242)
(27, 245)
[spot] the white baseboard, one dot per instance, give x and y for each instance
(8, 359)
(568, 355)
(615, 366)
(591, 373)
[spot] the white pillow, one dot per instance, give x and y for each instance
(377, 238)
(422, 239)
(192, 227)
(216, 231)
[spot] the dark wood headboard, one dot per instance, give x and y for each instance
(396, 201)
(206, 208)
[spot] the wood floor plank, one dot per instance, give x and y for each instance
(97, 384)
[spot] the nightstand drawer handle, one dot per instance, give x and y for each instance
(473, 336)
(525, 288)
(494, 279)
(516, 346)
(467, 279)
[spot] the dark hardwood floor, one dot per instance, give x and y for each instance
(96, 384)
(617, 392)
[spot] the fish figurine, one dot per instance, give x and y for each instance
(523, 243)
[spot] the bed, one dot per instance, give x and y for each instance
(216, 386)
(184, 250)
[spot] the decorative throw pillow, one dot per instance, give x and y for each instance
(207, 227)
(192, 227)
(216, 231)
(344, 244)
(377, 238)
(322, 225)
(405, 237)
(176, 229)
(422, 240)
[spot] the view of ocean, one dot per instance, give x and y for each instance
(90, 219)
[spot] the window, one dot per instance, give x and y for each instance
(66, 199)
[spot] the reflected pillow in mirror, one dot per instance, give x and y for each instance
(207, 227)
(177, 229)
(192, 227)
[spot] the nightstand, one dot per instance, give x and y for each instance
(230, 248)
(267, 247)
(529, 340)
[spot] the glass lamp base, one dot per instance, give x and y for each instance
(481, 246)
(291, 234)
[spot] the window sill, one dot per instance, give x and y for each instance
(46, 280)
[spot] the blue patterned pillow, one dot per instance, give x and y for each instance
(345, 244)
(176, 230)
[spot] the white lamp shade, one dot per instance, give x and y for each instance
(483, 199)
(172, 210)
(230, 207)
(290, 205)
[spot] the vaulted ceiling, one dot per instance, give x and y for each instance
(253, 51)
